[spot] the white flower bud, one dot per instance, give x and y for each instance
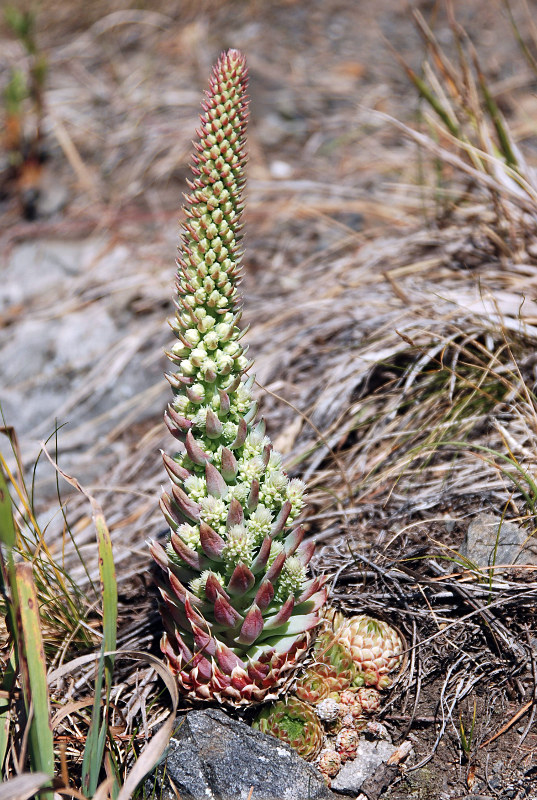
(206, 324)
(180, 350)
(211, 340)
(192, 336)
(186, 367)
(198, 356)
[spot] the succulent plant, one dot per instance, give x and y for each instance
(293, 722)
(329, 762)
(376, 649)
(347, 742)
(369, 699)
(328, 710)
(314, 684)
(335, 659)
(238, 604)
(350, 703)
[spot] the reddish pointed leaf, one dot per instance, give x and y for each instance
(216, 485)
(195, 453)
(212, 543)
(276, 567)
(213, 588)
(264, 595)
(177, 473)
(281, 519)
(226, 658)
(185, 504)
(235, 515)
(252, 626)
(159, 554)
(186, 553)
(224, 401)
(241, 580)
(224, 613)
(253, 497)
(305, 552)
(260, 561)
(283, 615)
(240, 438)
(213, 426)
(293, 539)
(229, 465)
(203, 640)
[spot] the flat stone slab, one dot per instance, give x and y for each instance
(353, 774)
(214, 757)
(491, 540)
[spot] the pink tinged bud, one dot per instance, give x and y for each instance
(240, 438)
(264, 595)
(234, 385)
(227, 660)
(213, 426)
(260, 428)
(216, 485)
(283, 615)
(281, 519)
(224, 401)
(260, 561)
(267, 450)
(293, 540)
(305, 552)
(225, 614)
(252, 411)
(213, 588)
(195, 453)
(193, 395)
(235, 515)
(179, 421)
(229, 467)
(241, 581)
(251, 627)
(186, 505)
(253, 496)
(186, 554)
(178, 432)
(159, 554)
(177, 473)
(276, 567)
(209, 375)
(177, 381)
(212, 543)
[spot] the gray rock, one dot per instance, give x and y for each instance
(369, 757)
(491, 540)
(215, 757)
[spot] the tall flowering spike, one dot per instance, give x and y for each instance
(239, 607)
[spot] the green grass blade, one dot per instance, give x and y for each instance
(96, 741)
(7, 685)
(92, 761)
(107, 573)
(34, 672)
(8, 533)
